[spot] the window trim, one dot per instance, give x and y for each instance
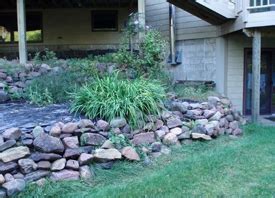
(93, 12)
(31, 42)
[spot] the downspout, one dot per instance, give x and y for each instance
(172, 30)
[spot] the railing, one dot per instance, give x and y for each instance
(261, 6)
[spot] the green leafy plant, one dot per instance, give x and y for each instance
(111, 97)
(47, 56)
(53, 88)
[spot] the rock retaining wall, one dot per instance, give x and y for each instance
(64, 151)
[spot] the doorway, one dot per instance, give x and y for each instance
(267, 81)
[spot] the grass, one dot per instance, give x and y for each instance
(225, 167)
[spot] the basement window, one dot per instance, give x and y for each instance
(9, 30)
(104, 20)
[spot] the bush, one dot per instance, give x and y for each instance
(112, 97)
(53, 88)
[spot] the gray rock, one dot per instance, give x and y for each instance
(76, 152)
(102, 125)
(156, 147)
(12, 134)
(6, 145)
(160, 134)
(199, 129)
(8, 177)
(174, 122)
(58, 164)
(85, 173)
(55, 131)
(27, 165)
(85, 158)
(177, 131)
(38, 130)
(107, 154)
(85, 123)
(3, 193)
(45, 156)
(72, 164)
(69, 127)
(234, 125)
(71, 142)
(14, 153)
(199, 136)
(65, 175)
(44, 165)
(48, 144)
(230, 118)
(208, 113)
(213, 100)
(14, 186)
(118, 123)
(107, 145)
(217, 116)
(130, 153)
(3, 96)
(7, 167)
(18, 176)
(92, 139)
(170, 139)
(180, 106)
(34, 176)
(144, 138)
(185, 135)
(2, 179)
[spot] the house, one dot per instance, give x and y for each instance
(230, 42)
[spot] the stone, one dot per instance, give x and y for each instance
(126, 129)
(92, 139)
(14, 186)
(199, 129)
(1, 140)
(144, 138)
(160, 134)
(6, 145)
(208, 113)
(156, 147)
(85, 158)
(48, 144)
(2, 179)
(225, 101)
(149, 127)
(38, 130)
(85, 173)
(76, 152)
(41, 182)
(27, 142)
(44, 165)
(72, 164)
(200, 136)
(237, 132)
(229, 118)
(164, 128)
(45, 156)
(166, 115)
(107, 145)
(85, 123)
(36, 175)
(201, 122)
(102, 125)
(213, 100)
(69, 127)
(12, 134)
(58, 164)
(180, 106)
(3, 96)
(107, 154)
(174, 122)
(7, 167)
(217, 116)
(234, 125)
(3, 75)
(184, 136)
(14, 153)
(3, 193)
(8, 177)
(18, 176)
(130, 153)
(65, 175)
(55, 131)
(185, 128)
(170, 139)
(27, 165)
(177, 131)
(71, 142)
(118, 122)
(158, 124)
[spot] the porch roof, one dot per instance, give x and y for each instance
(46, 4)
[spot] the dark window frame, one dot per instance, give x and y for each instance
(93, 17)
(28, 12)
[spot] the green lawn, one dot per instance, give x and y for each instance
(225, 167)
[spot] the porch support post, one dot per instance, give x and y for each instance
(141, 16)
(256, 74)
(21, 20)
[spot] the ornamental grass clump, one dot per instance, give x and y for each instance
(111, 97)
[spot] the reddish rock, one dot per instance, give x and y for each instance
(69, 127)
(144, 138)
(102, 125)
(65, 175)
(71, 142)
(130, 153)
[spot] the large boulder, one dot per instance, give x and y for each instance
(48, 144)
(92, 139)
(14, 153)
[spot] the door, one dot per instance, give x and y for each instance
(266, 85)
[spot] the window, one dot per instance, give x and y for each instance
(105, 20)
(9, 30)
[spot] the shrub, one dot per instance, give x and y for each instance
(53, 88)
(112, 97)
(83, 66)
(48, 57)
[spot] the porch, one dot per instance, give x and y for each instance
(70, 26)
